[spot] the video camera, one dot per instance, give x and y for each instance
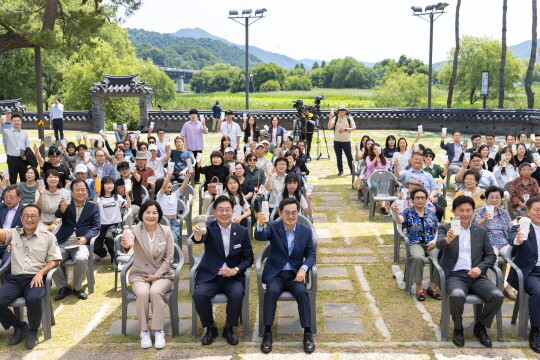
(298, 105)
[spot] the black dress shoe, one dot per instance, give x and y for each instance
(340, 173)
(458, 339)
(80, 294)
(18, 335)
(309, 345)
(481, 333)
(534, 340)
(210, 335)
(231, 337)
(31, 340)
(62, 293)
(266, 345)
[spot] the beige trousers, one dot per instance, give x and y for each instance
(151, 293)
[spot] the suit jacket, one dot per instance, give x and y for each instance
(450, 150)
(525, 255)
(302, 165)
(240, 252)
(87, 226)
(156, 261)
(16, 219)
(108, 170)
(482, 255)
(303, 252)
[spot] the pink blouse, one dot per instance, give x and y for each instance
(371, 166)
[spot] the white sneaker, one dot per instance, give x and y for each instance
(159, 338)
(146, 341)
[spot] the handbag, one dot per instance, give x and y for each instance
(358, 183)
(212, 186)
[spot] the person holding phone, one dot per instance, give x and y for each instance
(343, 126)
(56, 118)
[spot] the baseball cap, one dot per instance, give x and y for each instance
(229, 149)
(259, 145)
(152, 147)
(81, 168)
(342, 107)
(265, 142)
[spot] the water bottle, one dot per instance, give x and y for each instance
(97, 185)
(265, 209)
(128, 235)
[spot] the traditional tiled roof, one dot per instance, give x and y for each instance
(120, 84)
(11, 106)
(69, 116)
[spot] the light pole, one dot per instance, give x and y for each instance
(430, 13)
(248, 19)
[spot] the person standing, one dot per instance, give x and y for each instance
(292, 254)
(227, 255)
(309, 127)
(34, 253)
(216, 117)
(465, 258)
(193, 132)
(56, 118)
(232, 130)
(343, 126)
(16, 143)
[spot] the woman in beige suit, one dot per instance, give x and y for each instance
(151, 274)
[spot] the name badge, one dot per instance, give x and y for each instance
(17, 148)
(237, 246)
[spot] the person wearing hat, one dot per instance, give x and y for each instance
(193, 132)
(343, 126)
(131, 177)
(228, 156)
(81, 172)
(436, 170)
(268, 146)
(142, 170)
(232, 130)
(156, 163)
(262, 161)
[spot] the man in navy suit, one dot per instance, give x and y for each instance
(292, 253)
(227, 255)
(80, 223)
(465, 257)
(526, 257)
(453, 151)
(10, 214)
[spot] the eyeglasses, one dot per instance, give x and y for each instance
(290, 213)
(249, 160)
(419, 198)
(428, 156)
(224, 211)
(11, 197)
(30, 217)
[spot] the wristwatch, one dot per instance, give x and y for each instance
(237, 269)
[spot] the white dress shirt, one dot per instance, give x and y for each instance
(226, 236)
(464, 256)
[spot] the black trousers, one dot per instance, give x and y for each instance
(4, 255)
(232, 287)
(532, 288)
(17, 286)
(17, 167)
(459, 284)
(285, 282)
(197, 169)
(103, 244)
(343, 147)
(58, 126)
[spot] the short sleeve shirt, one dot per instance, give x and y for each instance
(168, 203)
(233, 131)
(29, 255)
(110, 209)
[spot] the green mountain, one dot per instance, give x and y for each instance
(183, 52)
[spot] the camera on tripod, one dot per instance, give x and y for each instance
(318, 100)
(298, 105)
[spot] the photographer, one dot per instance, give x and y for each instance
(308, 128)
(343, 125)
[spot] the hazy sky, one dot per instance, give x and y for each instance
(367, 30)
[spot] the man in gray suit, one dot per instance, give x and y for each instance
(465, 258)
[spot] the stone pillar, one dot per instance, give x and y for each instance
(144, 106)
(181, 84)
(98, 113)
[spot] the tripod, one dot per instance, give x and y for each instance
(320, 126)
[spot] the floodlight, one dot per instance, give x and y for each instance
(441, 6)
(430, 8)
(260, 11)
(246, 12)
(416, 9)
(233, 12)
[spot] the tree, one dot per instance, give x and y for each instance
(532, 60)
(270, 85)
(502, 65)
(53, 23)
(314, 66)
(346, 73)
(323, 64)
(452, 81)
(317, 77)
(297, 83)
(401, 90)
(475, 56)
(270, 71)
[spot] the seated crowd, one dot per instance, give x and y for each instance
(90, 193)
(494, 183)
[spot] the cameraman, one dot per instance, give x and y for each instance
(308, 128)
(343, 125)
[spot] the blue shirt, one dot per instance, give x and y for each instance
(425, 177)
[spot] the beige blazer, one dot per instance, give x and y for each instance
(152, 262)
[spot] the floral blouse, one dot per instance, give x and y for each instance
(418, 230)
(498, 228)
(517, 190)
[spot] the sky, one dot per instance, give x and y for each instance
(324, 30)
